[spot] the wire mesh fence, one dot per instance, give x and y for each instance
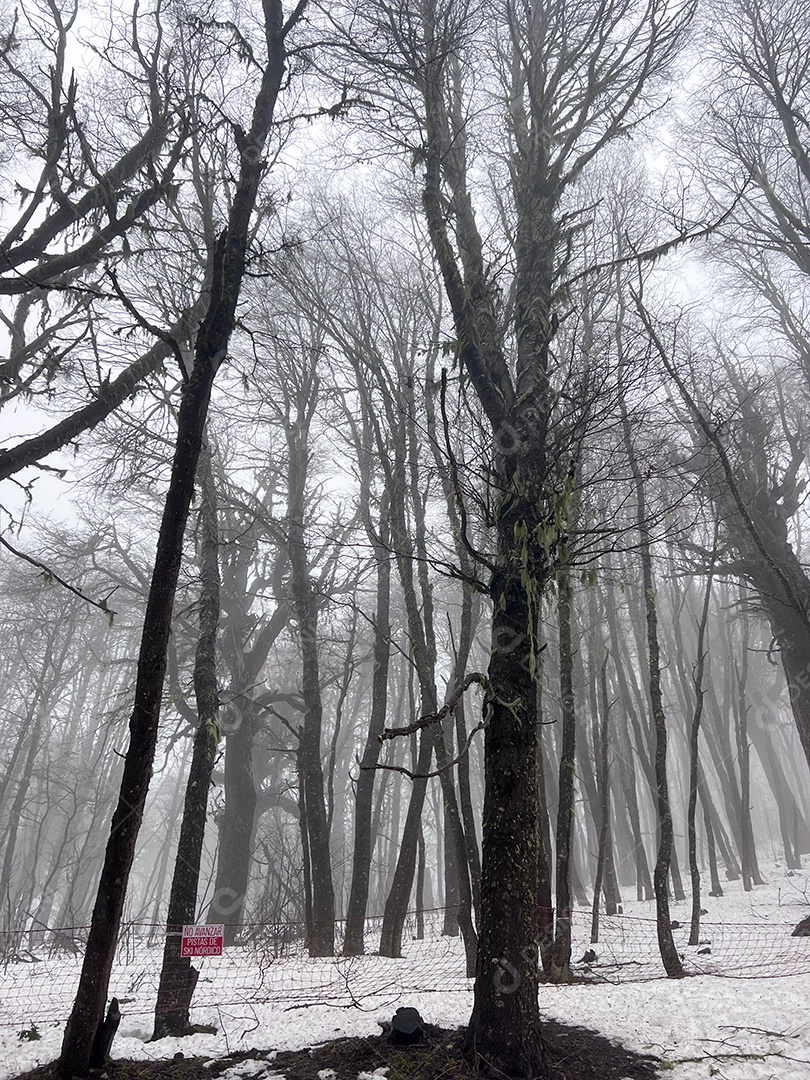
(39, 971)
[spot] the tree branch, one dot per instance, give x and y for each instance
(445, 710)
(51, 574)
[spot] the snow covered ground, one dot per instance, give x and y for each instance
(749, 1023)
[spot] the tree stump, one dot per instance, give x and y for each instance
(102, 1043)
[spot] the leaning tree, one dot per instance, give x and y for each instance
(229, 261)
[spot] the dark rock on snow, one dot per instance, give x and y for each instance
(406, 1026)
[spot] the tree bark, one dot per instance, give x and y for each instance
(88, 1009)
(353, 944)
(322, 937)
(666, 944)
(236, 826)
(177, 978)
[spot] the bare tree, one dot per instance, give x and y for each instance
(574, 78)
(177, 977)
(93, 186)
(210, 348)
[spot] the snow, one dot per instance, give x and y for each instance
(749, 1024)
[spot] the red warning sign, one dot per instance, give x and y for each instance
(202, 940)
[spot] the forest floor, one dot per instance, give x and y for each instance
(572, 1053)
(742, 1014)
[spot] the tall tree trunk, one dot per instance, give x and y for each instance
(544, 895)
(450, 926)
(454, 838)
(396, 904)
(467, 813)
(748, 851)
(627, 767)
(467, 621)
(244, 651)
(666, 944)
(305, 855)
(322, 939)
(694, 736)
(561, 962)
(599, 704)
(363, 840)
(88, 1008)
(211, 346)
(236, 826)
(15, 820)
(604, 792)
(504, 1023)
(177, 977)
(422, 636)
(714, 877)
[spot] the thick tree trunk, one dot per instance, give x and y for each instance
(504, 1027)
(236, 827)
